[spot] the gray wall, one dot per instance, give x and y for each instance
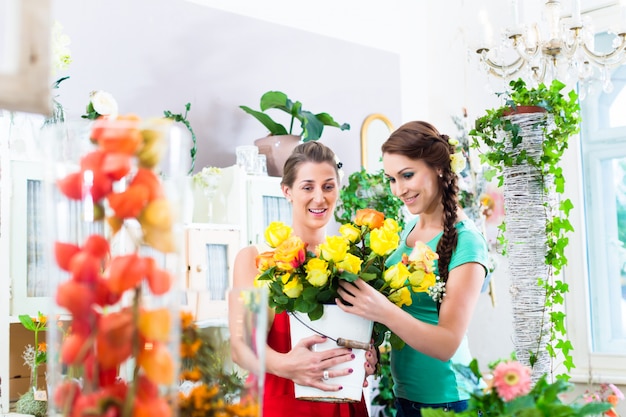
(154, 55)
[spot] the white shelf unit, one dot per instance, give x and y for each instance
(248, 201)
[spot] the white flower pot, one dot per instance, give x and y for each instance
(335, 323)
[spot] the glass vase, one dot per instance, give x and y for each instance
(115, 195)
(223, 354)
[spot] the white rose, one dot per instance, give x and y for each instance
(103, 103)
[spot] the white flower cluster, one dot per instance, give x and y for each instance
(29, 356)
(208, 178)
(61, 58)
(437, 291)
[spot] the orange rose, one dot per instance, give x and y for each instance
(370, 218)
(265, 261)
(290, 254)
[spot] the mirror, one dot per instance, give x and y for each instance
(374, 131)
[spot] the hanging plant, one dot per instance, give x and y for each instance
(500, 138)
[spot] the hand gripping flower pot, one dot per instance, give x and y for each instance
(115, 192)
(342, 327)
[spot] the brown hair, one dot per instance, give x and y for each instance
(311, 151)
(421, 140)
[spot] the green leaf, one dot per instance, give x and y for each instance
(27, 321)
(311, 127)
(273, 127)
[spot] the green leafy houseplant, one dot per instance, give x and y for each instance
(367, 190)
(312, 125)
(487, 136)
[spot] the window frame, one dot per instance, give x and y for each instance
(590, 365)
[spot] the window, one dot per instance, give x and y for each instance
(600, 350)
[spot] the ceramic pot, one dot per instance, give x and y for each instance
(276, 150)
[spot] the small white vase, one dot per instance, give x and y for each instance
(334, 323)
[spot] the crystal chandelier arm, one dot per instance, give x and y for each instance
(519, 43)
(610, 58)
(500, 70)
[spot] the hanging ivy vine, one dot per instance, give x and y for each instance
(565, 110)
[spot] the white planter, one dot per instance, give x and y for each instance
(335, 323)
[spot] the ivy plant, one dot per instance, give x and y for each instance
(565, 109)
(182, 118)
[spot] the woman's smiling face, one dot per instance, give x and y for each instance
(413, 181)
(314, 194)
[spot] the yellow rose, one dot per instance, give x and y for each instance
(290, 254)
(276, 233)
(350, 263)
(292, 287)
(383, 241)
(423, 257)
(350, 232)
(392, 226)
(369, 217)
(261, 283)
(317, 272)
(334, 248)
(401, 297)
(265, 261)
(396, 275)
(421, 281)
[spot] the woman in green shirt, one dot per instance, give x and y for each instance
(420, 165)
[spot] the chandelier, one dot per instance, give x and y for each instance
(563, 53)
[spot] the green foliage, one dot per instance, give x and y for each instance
(27, 404)
(182, 118)
(543, 400)
(367, 190)
(36, 326)
(312, 124)
(384, 395)
(566, 112)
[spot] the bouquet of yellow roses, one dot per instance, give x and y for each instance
(303, 280)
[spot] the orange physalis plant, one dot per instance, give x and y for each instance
(117, 354)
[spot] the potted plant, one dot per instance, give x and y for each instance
(311, 125)
(524, 147)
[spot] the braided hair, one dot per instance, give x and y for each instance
(421, 140)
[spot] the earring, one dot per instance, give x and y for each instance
(440, 175)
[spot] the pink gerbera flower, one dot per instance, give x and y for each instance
(511, 380)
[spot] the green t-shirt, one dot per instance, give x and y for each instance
(419, 377)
